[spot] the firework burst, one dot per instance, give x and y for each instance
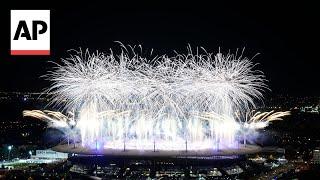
(126, 99)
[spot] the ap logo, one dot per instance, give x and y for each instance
(30, 32)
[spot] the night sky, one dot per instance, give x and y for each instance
(285, 35)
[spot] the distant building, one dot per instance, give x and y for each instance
(310, 109)
(49, 154)
(316, 156)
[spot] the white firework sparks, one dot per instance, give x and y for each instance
(260, 120)
(128, 100)
(53, 118)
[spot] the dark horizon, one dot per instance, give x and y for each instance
(283, 34)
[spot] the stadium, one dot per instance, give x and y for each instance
(192, 154)
(124, 104)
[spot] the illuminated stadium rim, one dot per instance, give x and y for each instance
(78, 149)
